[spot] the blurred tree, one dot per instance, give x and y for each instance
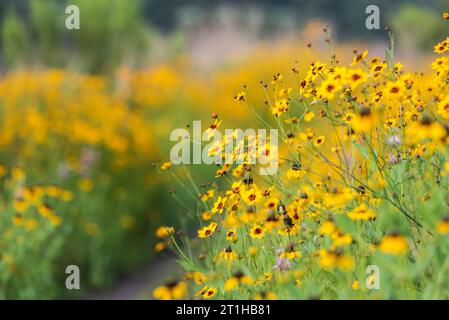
(418, 27)
(347, 16)
(48, 23)
(111, 31)
(114, 30)
(15, 41)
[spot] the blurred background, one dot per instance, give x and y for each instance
(140, 33)
(86, 116)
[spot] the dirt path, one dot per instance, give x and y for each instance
(140, 285)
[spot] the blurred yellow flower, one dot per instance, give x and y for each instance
(171, 291)
(164, 231)
(443, 226)
(86, 184)
(166, 166)
(309, 116)
(362, 213)
(394, 244)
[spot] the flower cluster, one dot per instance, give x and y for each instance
(363, 180)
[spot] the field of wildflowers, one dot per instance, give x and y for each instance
(79, 166)
(75, 161)
(359, 206)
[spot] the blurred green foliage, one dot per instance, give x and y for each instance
(116, 31)
(47, 26)
(347, 16)
(15, 39)
(418, 25)
(111, 31)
